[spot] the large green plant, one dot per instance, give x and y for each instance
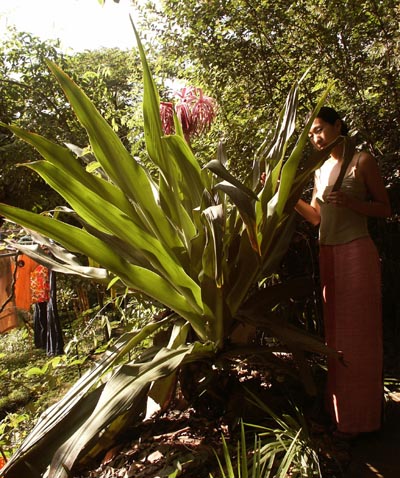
(193, 242)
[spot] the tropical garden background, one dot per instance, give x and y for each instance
(192, 279)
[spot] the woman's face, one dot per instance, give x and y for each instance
(323, 133)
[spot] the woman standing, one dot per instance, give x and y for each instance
(350, 276)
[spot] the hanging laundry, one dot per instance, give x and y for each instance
(46, 323)
(25, 283)
(55, 341)
(23, 296)
(40, 284)
(8, 316)
(40, 293)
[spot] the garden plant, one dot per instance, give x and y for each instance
(196, 240)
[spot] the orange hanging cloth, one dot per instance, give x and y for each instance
(8, 317)
(23, 295)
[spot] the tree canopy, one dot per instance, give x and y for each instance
(247, 53)
(30, 98)
(244, 53)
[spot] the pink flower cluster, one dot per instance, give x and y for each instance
(194, 110)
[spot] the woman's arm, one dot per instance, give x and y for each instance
(368, 172)
(310, 212)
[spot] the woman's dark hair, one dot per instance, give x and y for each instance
(330, 115)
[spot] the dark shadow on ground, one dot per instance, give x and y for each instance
(377, 455)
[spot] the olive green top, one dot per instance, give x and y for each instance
(340, 225)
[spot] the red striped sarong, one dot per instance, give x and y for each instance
(351, 288)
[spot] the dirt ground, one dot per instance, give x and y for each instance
(183, 446)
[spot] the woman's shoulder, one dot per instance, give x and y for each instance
(368, 166)
(365, 160)
(364, 156)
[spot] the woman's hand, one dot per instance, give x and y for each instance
(338, 198)
(378, 204)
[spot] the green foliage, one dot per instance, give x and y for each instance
(246, 53)
(93, 329)
(31, 381)
(243, 467)
(31, 98)
(287, 443)
(23, 81)
(13, 429)
(192, 242)
(25, 392)
(284, 449)
(18, 358)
